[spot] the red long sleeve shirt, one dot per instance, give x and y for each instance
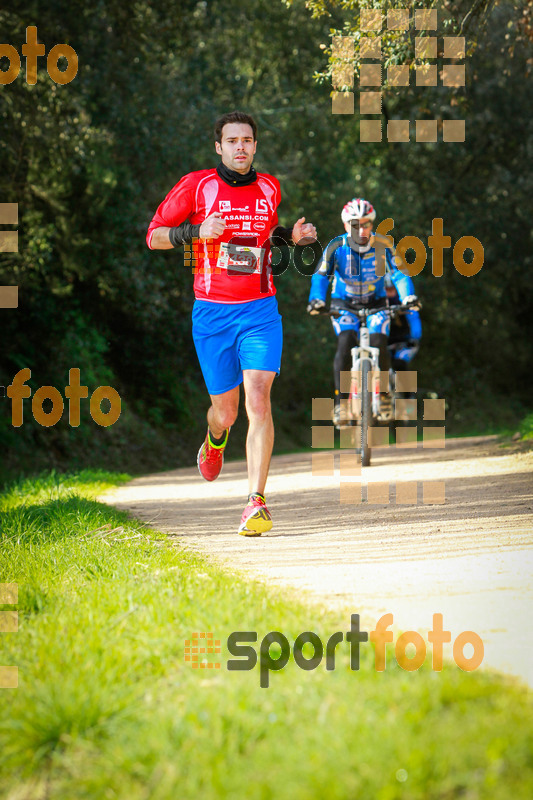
(236, 267)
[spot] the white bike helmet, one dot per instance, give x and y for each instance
(357, 209)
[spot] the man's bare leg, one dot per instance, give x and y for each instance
(223, 411)
(260, 439)
(221, 416)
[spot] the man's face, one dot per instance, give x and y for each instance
(360, 230)
(237, 146)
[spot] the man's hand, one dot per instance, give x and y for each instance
(213, 226)
(411, 298)
(303, 232)
(315, 306)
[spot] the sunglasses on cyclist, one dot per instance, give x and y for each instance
(365, 225)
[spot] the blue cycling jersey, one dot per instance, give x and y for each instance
(355, 280)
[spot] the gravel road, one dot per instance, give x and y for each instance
(469, 558)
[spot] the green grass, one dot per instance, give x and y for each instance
(488, 415)
(107, 707)
(525, 428)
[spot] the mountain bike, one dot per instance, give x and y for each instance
(365, 403)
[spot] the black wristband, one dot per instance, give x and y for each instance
(281, 236)
(183, 234)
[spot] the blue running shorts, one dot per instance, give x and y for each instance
(231, 337)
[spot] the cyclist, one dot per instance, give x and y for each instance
(229, 214)
(405, 331)
(350, 259)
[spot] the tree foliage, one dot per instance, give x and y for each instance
(88, 163)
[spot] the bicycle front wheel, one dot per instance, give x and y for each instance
(366, 411)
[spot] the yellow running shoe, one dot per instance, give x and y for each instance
(256, 518)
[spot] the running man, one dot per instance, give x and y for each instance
(351, 260)
(229, 216)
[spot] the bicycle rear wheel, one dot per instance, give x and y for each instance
(366, 412)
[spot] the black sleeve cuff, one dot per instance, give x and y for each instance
(281, 236)
(183, 234)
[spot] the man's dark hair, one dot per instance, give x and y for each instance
(234, 116)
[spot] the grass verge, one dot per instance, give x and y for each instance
(107, 707)
(525, 429)
(511, 422)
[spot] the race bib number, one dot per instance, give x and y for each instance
(240, 258)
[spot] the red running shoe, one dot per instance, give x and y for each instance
(256, 518)
(211, 458)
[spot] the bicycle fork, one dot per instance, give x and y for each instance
(359, 355)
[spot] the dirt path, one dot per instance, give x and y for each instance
(470, 559)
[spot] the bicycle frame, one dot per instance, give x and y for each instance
(361, 353)
(366, 380)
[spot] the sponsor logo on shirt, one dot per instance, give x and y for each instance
(247, 216)
(259, 226)
(242, 208)
(246, 226)
(261, 207)
(224, 205)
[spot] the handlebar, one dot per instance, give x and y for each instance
(363, 313)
